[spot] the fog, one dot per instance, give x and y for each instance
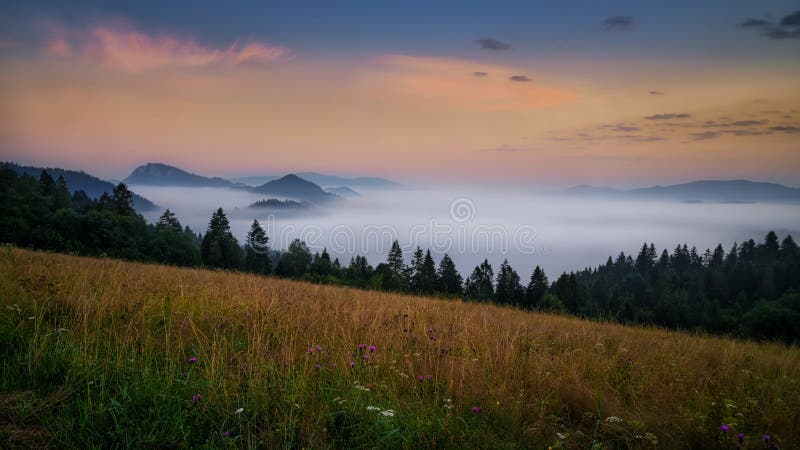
(560, 233)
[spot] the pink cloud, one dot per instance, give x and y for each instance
(121, 48)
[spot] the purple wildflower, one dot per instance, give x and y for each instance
(419, 377)
(196, 398)
(475, 409)
(316, 366)
(366, 356)
(724, 428)
(767, 437)
(227, 434)
(319, 349)
(740, 436)
(352, 363)
(429, 377)
(361, 346)
(193, 360)
(372, 348)
(311, 351)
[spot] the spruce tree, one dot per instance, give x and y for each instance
(536, 288)
(449, 281)
(123, 200)
(479, 285)
(256, 259)
(509, 291)
(169, 222)
(220, 249)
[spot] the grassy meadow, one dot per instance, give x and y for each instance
(100, 353)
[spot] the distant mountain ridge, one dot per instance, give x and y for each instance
(158, 174)
(326, 180)
(343, 191)
(296, 188)
(82, 181)
(700, 191)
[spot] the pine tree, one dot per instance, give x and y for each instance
(256, 259)
(415, 270)
(448, 278)
(168, 222)
(536, 288)
(123, 200)
(296, 261)
(509, 291)
(427, 275)
(479, 285)
(219, 248)
(397, 271)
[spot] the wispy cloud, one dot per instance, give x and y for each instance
(122, 48)
(787, 28)
(618, 23)
(668, 116)
(656, 93)
(479, 74)
(519, 78)
(451, 83)
(492, 44)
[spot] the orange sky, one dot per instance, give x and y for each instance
(111, 97)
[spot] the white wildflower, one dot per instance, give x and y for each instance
(373, 408)
(387, 413)
(239, 411)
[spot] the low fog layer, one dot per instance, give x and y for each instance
(560, 233)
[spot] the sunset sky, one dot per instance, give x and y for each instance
(550, 93)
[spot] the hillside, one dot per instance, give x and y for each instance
(295, 188)
(157, 174)
(700, 191)
(82, 181)
(104, 353)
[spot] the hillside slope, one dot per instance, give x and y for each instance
(82, 181)
(104, 353)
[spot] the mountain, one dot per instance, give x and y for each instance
(726, 191)
(82, 181)
(295, 188)
(275, 204)
(157, 174)
(327, 180)
(343, 191)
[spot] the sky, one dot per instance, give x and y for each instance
(623, 93)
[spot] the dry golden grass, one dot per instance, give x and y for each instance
(533, 375)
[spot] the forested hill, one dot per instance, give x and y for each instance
(752, 290)
(81, 181)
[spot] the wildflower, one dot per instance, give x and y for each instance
(333, 364)
(361, 346)
(740, 436)
(372, 348)
(311, 351)
(196, 398)
(387, 413)
(193, 360)
(316, 366)
(352, 363)
(319, 349)
(429, 377)
(366, 356)
(724, 428)
(419, 377)
(613, 419)
(227, 434)
(373, 408)
(239, 411)
(475, 409)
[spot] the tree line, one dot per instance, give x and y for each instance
(752, 290)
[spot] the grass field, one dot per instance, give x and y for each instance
(100, 353)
